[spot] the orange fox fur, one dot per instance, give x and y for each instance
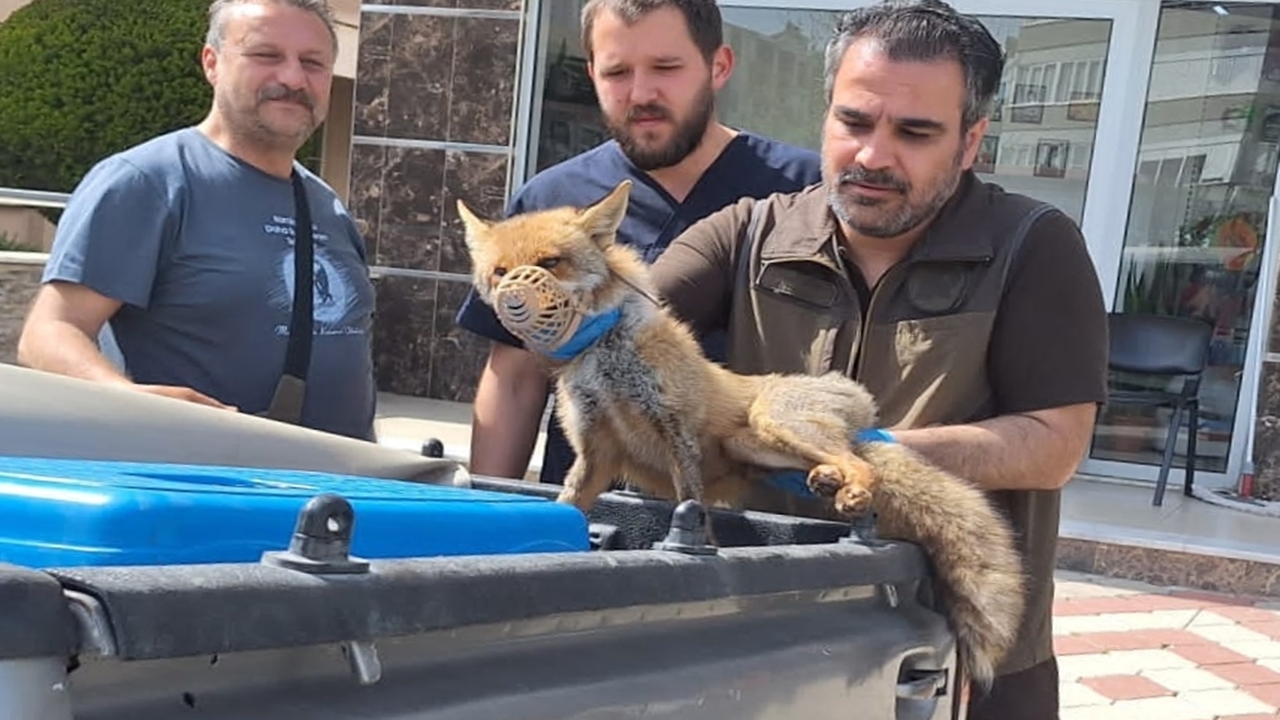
(644, 404)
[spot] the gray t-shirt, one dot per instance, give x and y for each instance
(198, 245)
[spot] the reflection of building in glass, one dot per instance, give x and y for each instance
(1046, 111)
(775, 89)
(1209, 137)
(571, 120)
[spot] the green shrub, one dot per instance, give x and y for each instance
(81, 79)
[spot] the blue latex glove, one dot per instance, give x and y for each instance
(796, 482)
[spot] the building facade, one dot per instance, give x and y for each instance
(1154, 124)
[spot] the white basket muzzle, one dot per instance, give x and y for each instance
(531, 303)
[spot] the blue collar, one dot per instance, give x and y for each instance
(593, 326)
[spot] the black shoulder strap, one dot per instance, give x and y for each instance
(298, 356)
(286, 404)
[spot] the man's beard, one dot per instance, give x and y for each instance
(907, 217)
(688, 134)
(248, 123)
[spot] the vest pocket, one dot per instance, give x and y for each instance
(929, 370)
(779, 333)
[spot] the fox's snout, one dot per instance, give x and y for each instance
(533, 304)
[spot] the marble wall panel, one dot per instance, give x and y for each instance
(437, 78)
(1170, 568)
(457, 356)
(1266, 441)
(373, 75)
(429, 87)
(403, 333)
(412, 186)
(368, 165)
(485, 53)
(479, 180)
(417, 349)
(420, 81)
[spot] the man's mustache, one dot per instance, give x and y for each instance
(648, 112)
(875, 178)
(280, 92)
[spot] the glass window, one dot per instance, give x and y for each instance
(1040, 141)
(1197, 219)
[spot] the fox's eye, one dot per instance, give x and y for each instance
(499, 271)
(548, 263)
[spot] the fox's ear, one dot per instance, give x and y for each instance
(602, 219)
(473, 227)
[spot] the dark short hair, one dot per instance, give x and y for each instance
(924, 30)
(701, 16)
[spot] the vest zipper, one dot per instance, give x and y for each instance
(854, 368)
(866, 321)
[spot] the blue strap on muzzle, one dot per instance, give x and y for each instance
(593, 327)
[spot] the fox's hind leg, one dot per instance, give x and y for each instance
(790, 422)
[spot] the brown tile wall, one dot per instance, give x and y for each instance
(446, 80)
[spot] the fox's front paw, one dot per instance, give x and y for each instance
(825, 480)
(852, 500)
(850, 489)
(569, 496)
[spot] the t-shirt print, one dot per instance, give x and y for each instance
(334, 299)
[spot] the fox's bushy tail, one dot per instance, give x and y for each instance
(969, 543)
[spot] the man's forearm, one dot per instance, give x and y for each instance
(1013, 452)
(62, 348)
(506, 414)
(501, 447)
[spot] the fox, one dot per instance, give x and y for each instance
(640, 402)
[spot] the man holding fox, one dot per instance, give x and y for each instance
(972, 315)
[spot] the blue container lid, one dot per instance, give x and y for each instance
(56, 512)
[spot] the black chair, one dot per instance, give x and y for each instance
(1162, 346)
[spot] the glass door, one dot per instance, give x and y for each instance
(1196, 227)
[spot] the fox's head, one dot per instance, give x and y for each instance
(546, 272)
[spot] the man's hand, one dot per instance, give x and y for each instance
(182, 393)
